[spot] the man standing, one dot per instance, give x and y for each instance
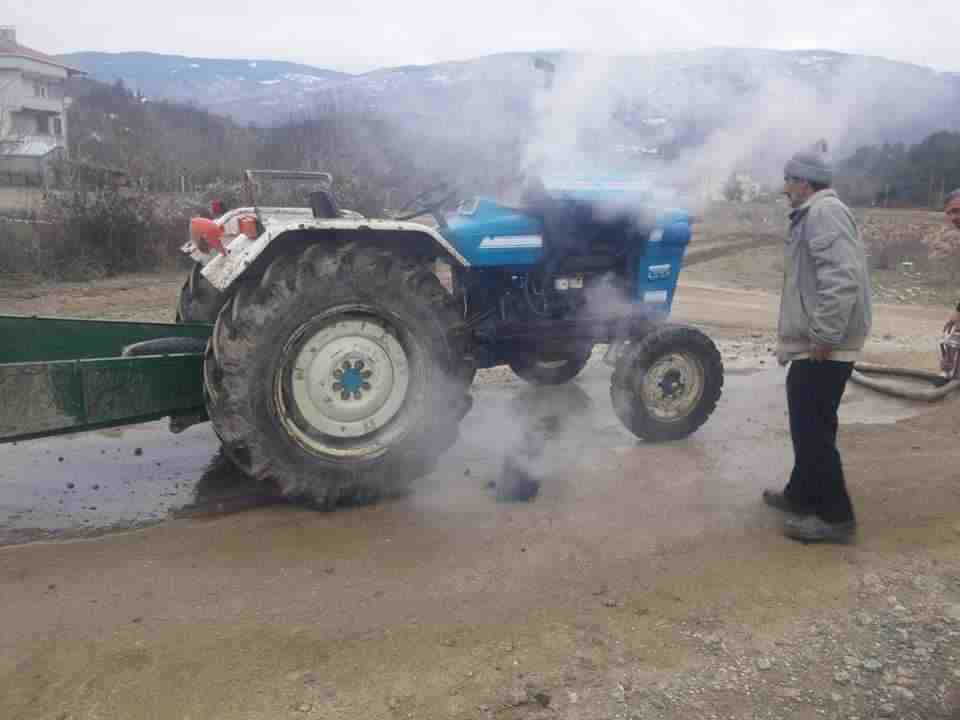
(952, 210)
(825, 318)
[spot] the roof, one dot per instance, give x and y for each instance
(15, 49)
(29, 146)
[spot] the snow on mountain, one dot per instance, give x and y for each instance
(737, 103)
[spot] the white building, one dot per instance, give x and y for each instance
(33, 107)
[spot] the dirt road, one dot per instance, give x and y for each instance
(643, 582)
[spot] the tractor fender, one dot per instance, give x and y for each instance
(222, 271)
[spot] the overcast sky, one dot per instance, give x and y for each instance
(356, 36)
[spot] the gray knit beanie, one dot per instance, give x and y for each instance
(812, 165)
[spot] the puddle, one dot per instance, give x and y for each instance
(139, 475)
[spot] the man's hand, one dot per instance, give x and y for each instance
(952, 322)
(819, 353)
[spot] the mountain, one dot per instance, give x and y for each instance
(741, 108)
(249, 90)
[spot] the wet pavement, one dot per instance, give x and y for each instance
(140, 475)
(626, 560)
(104, 479)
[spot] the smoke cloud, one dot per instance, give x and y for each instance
(686, 122)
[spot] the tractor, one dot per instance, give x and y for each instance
(334, 353)
(343, 347)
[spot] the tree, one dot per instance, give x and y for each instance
(733, 189)
(895, 175)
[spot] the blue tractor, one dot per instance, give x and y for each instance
(342, 354)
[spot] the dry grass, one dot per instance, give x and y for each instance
(893, 238)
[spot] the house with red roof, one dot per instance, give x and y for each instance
(33, 106)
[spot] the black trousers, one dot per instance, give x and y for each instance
(816, 484)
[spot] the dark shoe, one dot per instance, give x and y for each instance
(812, 528)
(779, 501)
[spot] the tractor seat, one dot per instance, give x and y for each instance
(323, 205)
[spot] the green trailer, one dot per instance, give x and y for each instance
(60, 376)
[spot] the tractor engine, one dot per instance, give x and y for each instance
(554, 260)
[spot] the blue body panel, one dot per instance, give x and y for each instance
(658, 267)
(489, 234)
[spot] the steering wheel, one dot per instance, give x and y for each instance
(429, 202)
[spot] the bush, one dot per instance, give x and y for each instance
(80, 236)
(18, 247)
(106, 230)
(889, 255)
(104, 233)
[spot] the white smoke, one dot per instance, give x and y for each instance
(582, 100)
(758, 112)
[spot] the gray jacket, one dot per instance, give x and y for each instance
(826, 284)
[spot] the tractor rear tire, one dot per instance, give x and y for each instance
(200, 302)
(665, 386)
(553, 368)
(339, 374)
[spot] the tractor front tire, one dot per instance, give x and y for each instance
(552, 368)
(666, 385)
(199, 302)
(339, 374)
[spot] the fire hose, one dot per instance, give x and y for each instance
(941, 384)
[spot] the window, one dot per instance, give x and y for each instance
(57, 126)
(43, 126)
(39, 90)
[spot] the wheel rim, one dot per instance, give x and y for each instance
(673, 386)
(345, 378)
